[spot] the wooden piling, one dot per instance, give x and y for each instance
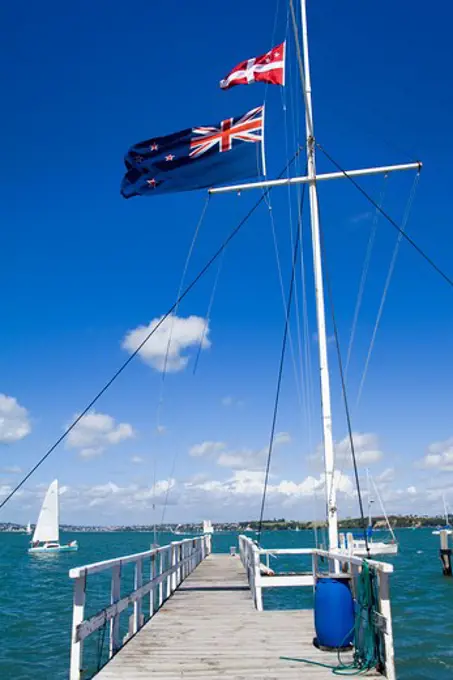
(445, 554)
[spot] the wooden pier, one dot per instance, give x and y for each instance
(210, 628)
(208, 621)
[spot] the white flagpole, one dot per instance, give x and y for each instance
(329, 459)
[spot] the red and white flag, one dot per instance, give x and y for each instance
(268, 68)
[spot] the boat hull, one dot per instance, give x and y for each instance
(375, 548)
(57, 549)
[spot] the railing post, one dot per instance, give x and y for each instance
(314, 568)
(161, 584)
(257, 579)
(385, 608)
(138, 582)
(168, 564)
(78, 614)
(115, 594)
(151, 592)
(174, 575)
(183, 557)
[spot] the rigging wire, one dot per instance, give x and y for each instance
(366, 266)
(343, 385)
(167, 352)
(140, 346)
(279, 379)
(410, 240)
(399, 238)
(274, 237)
(181, 284)
(167, 490)
(208, 313)
(282, 289)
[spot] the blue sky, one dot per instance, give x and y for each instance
(80, 267)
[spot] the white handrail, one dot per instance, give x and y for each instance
(107, 564)
(169, 566)
(345, 557)
(286, 551)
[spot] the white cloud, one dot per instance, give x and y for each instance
(95, 432)
(137, 460)
(161, 429)
(246, 484)
(439, 456)
(366, 448)
(129, 497)
(181, 332)
(206, 448)
(11, 470)
(238, 459)
(282, 438)
(231, 401)
(236, 496)
(14, 421)
(91, 452)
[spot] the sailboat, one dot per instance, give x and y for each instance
(448, 528)
(177, 531)
(359, 546)
(46, 537)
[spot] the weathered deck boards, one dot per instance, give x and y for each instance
(210, 629)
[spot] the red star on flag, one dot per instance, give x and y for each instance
(154, 147)
(152, 183)
(170, 157)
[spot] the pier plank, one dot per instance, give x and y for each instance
(209, 629)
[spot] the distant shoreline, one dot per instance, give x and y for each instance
(396, 521)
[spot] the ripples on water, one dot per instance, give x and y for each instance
(36, 601)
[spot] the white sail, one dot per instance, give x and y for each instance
(47, 527)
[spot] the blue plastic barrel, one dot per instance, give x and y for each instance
(334, 613)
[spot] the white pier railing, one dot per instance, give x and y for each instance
(168, 566)
(338, 562)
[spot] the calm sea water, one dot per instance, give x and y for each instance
(36, 601)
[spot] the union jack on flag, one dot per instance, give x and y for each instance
(195, 158)
(248, 128)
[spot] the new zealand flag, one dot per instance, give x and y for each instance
(197, 158)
